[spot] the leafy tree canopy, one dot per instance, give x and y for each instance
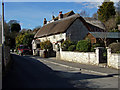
(106, 11)
(84, 13)
(24, 39)
(12, 22)
(15, 27)
(118, 7)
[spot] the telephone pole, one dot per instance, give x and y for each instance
(3, 38)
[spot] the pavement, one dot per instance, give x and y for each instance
(82, 67)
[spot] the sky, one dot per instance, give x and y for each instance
(31, 14)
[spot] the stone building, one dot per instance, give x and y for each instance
(67, 26)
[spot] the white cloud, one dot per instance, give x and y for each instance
(91, 4)
(57, 0)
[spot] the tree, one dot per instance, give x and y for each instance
(106, 14)
(27, 40)
(24, 39)
(106, 11)
(6, 34)
(110, 24)
(95, 16)
(118, 8)
(118, 13)
(12, 22)
(15, 27)
(23, 30)
(84, 14)
(35, 30)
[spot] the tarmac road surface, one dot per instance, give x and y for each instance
(32, 72)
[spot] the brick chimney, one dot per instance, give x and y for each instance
(45, 21)
(119, 27)
(60, 15)
(53, 17)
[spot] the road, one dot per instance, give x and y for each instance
(29, 72)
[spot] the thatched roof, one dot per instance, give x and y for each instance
(94, 22)
(66, 15)
(61, 26)
(56, 27)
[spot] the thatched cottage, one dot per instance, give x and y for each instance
(66, 26)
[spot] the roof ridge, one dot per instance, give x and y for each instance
(75, 15)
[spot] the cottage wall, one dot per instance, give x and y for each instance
(54, 38)
(77, 31)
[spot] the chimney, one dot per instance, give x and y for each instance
(45, 21)
(60, 15)
(53, 17)
(119, 27)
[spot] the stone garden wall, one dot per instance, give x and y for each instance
(79, 57)
(113, 59)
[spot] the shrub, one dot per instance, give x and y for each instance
(46, 45)
(114, 30)
(72, 48)
(83, 45)
(95, 45)
(66, 44)
(42, 45)
(115, 47)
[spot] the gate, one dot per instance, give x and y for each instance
(102, 55)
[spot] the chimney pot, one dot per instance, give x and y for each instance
(53, 17)
(45, 21)
(60, 15)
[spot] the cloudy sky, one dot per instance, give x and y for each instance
(31, 14)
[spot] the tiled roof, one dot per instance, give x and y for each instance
(106, 34)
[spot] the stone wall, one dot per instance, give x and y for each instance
(113, 59)
(79, 57)
(6, 55)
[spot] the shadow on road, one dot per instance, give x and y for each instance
(32, 74)
(81, 79)
(82, 76)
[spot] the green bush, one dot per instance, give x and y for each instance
(114, 30)
(46, 45)
(94, 46)
(83, 46)
(72, 48)
(66, 44)
(115, 47)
